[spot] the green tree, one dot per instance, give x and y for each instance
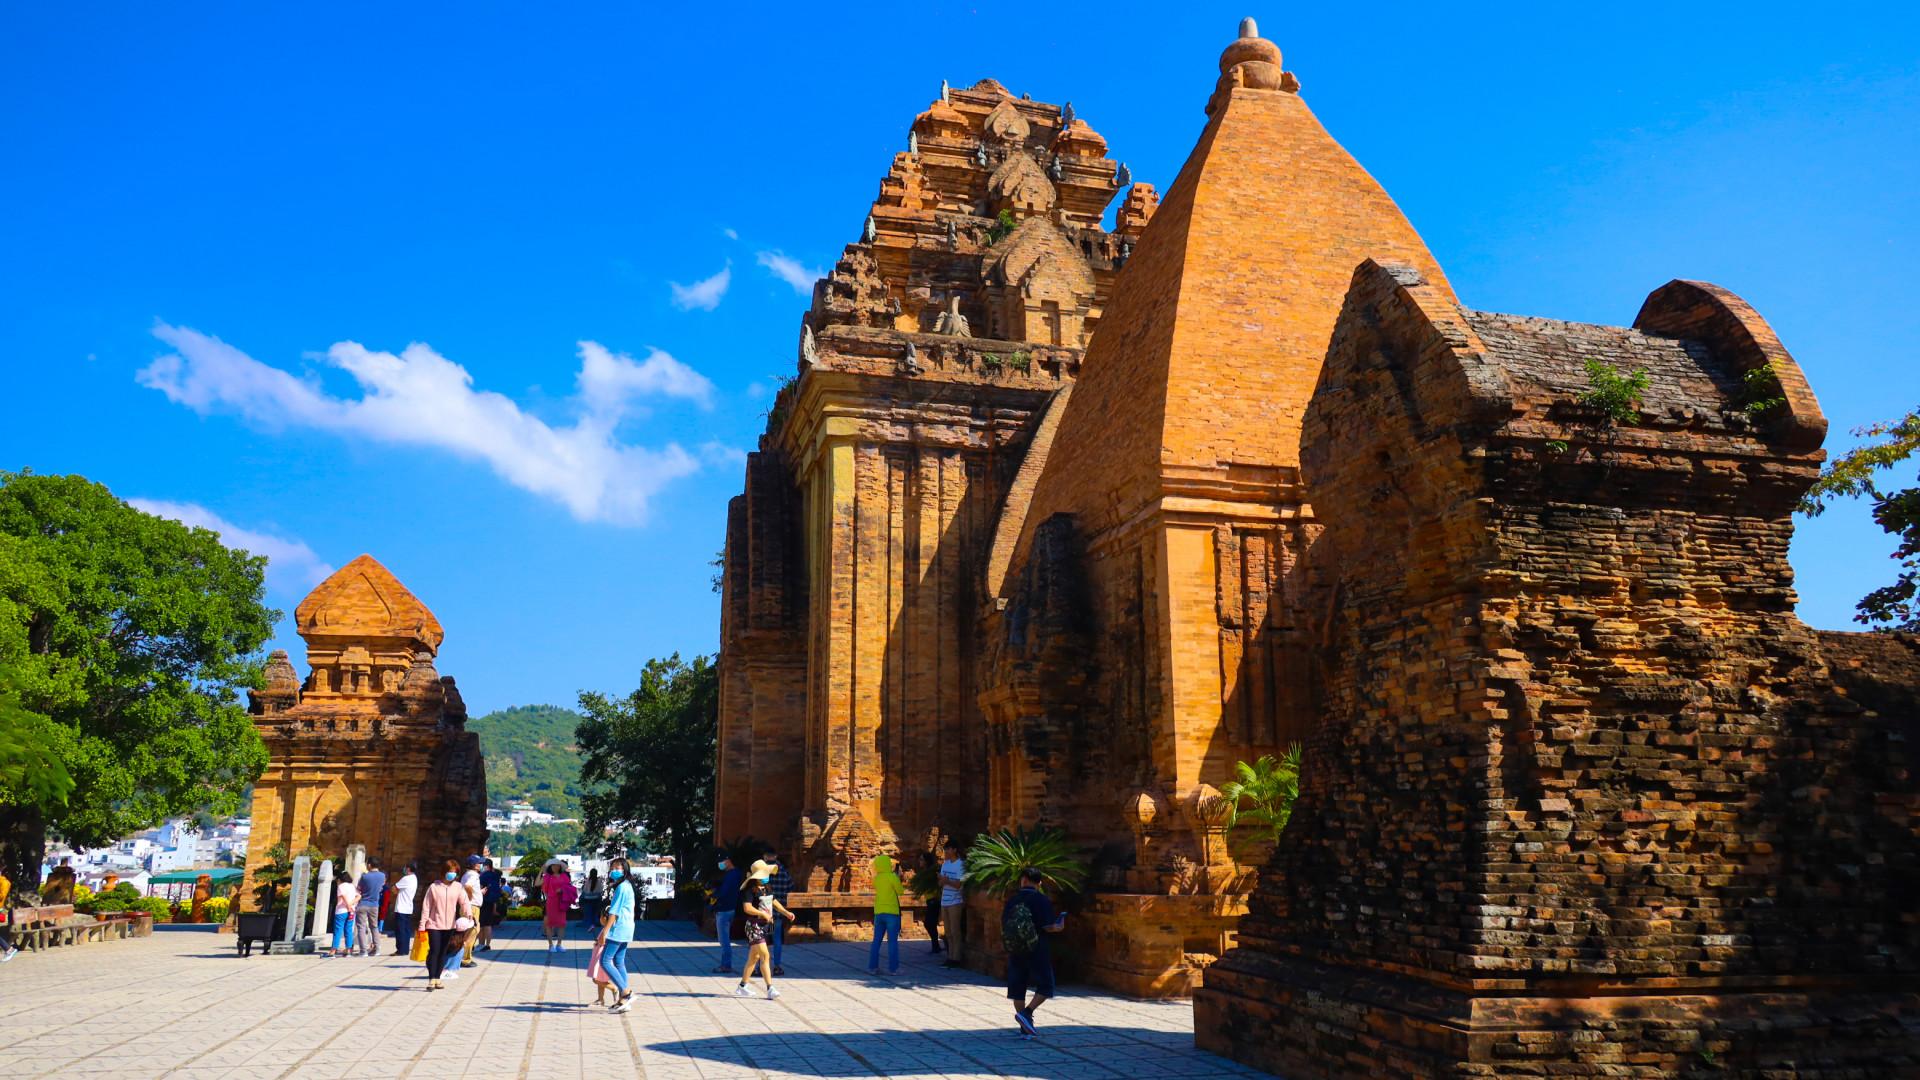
(1890, 607)
(132, 636)
(1262, 796)
(648, 758)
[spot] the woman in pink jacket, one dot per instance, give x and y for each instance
(444, 905)
(557, 886)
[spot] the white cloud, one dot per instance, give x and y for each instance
(789, 270)
(421, 398)
(606, 377)
(292, 567)
(704, 295)
(731, 235)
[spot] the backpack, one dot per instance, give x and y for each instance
(1017, 930)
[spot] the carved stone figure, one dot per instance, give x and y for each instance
(951, 322)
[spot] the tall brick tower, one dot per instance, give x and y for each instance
(931, 368)
(1157, 623)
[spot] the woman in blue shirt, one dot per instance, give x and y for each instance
(617, 930)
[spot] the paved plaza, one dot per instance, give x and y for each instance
(182, 1006)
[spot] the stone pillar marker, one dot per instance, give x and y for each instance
(356, 863)
(323, 900)
(297, 897)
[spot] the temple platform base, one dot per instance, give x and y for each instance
(1311, 1021)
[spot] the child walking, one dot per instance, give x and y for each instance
(602, 981)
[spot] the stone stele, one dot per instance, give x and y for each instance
(372, 749)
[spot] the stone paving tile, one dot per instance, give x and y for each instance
(182, 1006)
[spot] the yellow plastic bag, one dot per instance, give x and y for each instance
(419, 953)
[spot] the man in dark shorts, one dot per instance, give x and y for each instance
(1036, 964)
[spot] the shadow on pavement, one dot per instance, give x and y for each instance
(1068, 1050)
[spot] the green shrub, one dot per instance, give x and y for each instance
(1758, 390)
(1262, 796)
(1619, 395)
(526, 913)
(995, 860)
(1001, 228)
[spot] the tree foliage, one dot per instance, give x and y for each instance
(531, 755)
(997, 859)
(132, 635)
(648, 758)
(1890, 607)
(1262, 796)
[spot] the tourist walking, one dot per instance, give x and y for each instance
(724, 902)
(344, 899)
(762, 913)
(953, 904)
(6, 937)
(1025, 921)
(930, 906)
(780, 883)
(493, 904)
(590, 893)
(556, 888)
(366, 914)
(400, 919)
(617, 932)
(887, 888)
(471, 882)
(444, 911)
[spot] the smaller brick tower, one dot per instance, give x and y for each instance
(1586, 798)
(373, 748)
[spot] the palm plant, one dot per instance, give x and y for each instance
(1262, 797)
(996, 860)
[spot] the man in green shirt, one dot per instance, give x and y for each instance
(887, 888)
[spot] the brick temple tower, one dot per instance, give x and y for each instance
(372, 748)
(932, 366)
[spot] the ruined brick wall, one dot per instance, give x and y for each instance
(1585, 796)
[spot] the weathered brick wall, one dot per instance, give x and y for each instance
(1585, 797)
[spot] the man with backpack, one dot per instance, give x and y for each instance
(1025, 922)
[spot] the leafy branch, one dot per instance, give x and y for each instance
(1898, 512)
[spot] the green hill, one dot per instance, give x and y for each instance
(531, 757)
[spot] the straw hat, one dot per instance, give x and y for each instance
(762, 870)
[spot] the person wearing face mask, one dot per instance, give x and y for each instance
(617, 931)
(444, 911)
(724, 903)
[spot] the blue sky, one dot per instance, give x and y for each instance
(419, 216)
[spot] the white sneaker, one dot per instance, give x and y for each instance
(772, 992)
(11, 953)
(742, 990)
(448, 976)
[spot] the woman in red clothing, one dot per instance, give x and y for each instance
(442, 912)
(557, 886)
